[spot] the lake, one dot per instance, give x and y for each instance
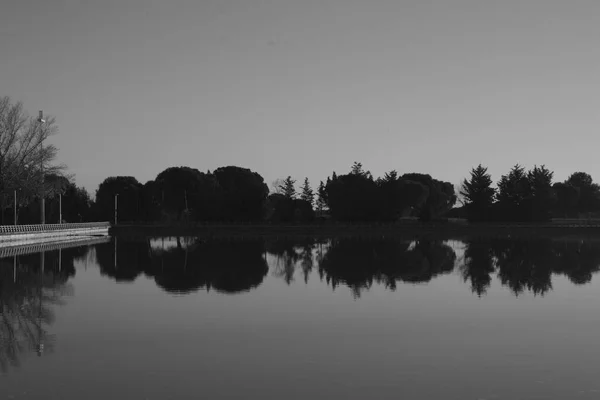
(386, 318)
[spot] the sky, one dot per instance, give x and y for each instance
(305, 88)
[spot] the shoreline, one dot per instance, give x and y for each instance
(448, 230)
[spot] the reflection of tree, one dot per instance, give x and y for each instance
(359, 264)
(121, 260)
(226, 266)
(286, 258)
(478, 266)
(288, 252)
(30, 286)
(525, 265)
(578, 260)
(528, 265)
(420, 261)
(307, 262)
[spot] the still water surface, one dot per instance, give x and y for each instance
(161, 318)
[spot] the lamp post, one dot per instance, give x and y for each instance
(42, 201)
(15, 207)
(60, 208)
(116, 207)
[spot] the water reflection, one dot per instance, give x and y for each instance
(528, 266)
(31, 286)
(184, 265)
(387, 262)
(187, 264)
(520, 265)
(288, 253)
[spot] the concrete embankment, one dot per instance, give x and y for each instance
(9, 234)
(17, 248)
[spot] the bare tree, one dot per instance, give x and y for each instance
(459, 189)
(25, 153)
(276, 186)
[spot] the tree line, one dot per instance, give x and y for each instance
(29, 172)
(532, 195)
(235, 194)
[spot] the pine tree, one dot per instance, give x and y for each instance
(514, 187)
(288, 189)
(542, 194)
(307, 193)
(478, 194)
(514, 195)
(357, 169)
(321, 197)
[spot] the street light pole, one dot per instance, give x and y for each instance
(42, 197)
(60, 208)
(15, 207)
(116, 207)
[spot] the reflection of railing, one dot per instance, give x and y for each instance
(19, 229)
(49, 246)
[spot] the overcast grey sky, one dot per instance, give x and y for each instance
(306, 87)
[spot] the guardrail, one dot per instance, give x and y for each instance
(22, 229)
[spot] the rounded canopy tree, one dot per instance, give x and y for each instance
(184, 190)
(128, 189)
(243, 193)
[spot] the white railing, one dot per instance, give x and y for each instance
(38, 228)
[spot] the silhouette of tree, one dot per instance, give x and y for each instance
(440, 198)
(541, 192)
(186, 193)
(321, 197)
(288, 189)
(478, 194)
(76, 204)
(129, 191)
(357, 169)
(353, 197)
(280, 208)
(589, 192)
(243, 194)
(151, 201)
(390, 196)
(513, 192)
(307, 193)
(567, 199)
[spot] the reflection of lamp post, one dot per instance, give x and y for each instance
(40, 344)
(43, 205)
